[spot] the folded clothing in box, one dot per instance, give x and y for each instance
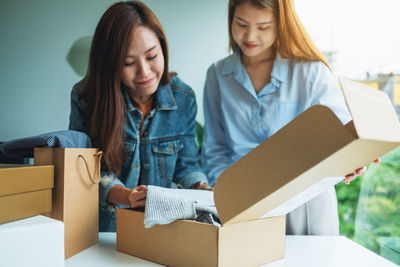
(165, 205)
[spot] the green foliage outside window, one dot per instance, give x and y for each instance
(347, 196)
(369, 208)
(199, 134)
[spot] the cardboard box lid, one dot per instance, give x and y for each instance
(17, 179)
(378, 123)
(312, 146)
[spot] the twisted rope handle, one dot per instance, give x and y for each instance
(98, 156)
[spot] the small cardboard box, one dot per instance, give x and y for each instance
(296, 158)
(25, 191)
(190, 243)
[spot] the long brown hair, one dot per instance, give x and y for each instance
(292, 42)
(102, 94)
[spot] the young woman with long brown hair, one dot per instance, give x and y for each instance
(274, 74)
(138, 113)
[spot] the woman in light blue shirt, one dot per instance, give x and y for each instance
(274, 74)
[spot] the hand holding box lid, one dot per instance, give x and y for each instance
(313, 146)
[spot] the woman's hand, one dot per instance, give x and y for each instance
(202, 186)
(360, 171)
(134, 198)
(137, 196)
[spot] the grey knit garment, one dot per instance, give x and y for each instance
(165, 205)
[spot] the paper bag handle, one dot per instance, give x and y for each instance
(98, 156)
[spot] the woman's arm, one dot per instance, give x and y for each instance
(215, 151)
(187, 170)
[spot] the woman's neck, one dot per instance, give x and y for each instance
(266, 57)
(259, 68)
(139, 99)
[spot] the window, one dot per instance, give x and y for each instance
(361, 41)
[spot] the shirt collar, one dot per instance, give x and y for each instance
(279, 70)
(164, 99)
(231, 64)
(130, 107)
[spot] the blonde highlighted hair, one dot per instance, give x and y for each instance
(293, 42)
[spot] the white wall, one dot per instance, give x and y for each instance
(35, 78)
(197, 33)
(36, 36)
(364, 33)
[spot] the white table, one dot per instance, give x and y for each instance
(306, 251)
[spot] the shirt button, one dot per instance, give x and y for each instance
(135, 166)
(146, 165)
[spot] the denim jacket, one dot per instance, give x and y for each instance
(166, 152)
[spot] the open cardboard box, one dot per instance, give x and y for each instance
(25, 191)
(296, 158)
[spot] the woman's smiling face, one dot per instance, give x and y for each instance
(144, 64)
(254, 29)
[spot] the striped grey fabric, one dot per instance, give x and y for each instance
(165, 205)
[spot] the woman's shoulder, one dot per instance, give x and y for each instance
(308, 65)
(313, 76)
(181, 94)
(78, 88)
(77, 93)
(308, 69)
(223, 65)
(177, 85)
(301, 63)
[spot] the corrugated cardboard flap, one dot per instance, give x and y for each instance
(243, 190)
(373, 114)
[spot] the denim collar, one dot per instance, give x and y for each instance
(164, 98)
(233, 65)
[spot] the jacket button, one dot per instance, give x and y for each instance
(135, 166)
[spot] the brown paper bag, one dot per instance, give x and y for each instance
(75, 193)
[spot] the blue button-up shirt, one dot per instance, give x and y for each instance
(237, 119)
(166, 152)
